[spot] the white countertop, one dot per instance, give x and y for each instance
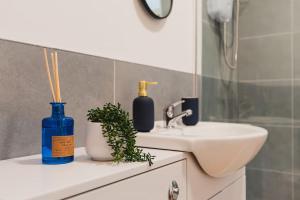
(26, 178)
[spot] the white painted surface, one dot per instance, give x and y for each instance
(236, 191)
(199, 34)
(220, 148)
(153, 185)
(114, 29)
(27, 178)
(201, 186)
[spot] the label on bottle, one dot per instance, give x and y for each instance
(62, 146)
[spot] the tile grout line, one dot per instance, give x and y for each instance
(274, 171)
(265, 35)
(292, 98)
(114, 82)
(272, 124)
(270, 171)
(266, 80)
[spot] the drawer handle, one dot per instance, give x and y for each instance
(173, 191)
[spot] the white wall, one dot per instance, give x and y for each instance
(117, 29)
(199, 36)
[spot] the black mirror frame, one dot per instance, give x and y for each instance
(152, 13)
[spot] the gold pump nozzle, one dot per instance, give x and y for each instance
(143, 87)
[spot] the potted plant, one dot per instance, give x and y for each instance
(111, 136)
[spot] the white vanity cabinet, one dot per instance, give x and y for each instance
(85, 179)
(235, 191)
(153, 185)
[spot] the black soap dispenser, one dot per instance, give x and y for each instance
(143, 109)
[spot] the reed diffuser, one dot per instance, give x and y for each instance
(57, 130)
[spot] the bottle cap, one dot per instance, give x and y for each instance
(143, 87)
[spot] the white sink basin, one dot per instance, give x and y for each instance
(220, 148)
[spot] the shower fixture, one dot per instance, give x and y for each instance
(225, 11)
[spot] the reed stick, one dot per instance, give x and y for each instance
(48, 73)
(57, 76)
(54, 75)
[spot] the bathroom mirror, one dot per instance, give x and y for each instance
(158, 9)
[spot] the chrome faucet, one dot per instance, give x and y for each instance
(170, 116)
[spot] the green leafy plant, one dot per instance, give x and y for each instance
(119, 131)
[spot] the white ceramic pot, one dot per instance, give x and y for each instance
(96, 145)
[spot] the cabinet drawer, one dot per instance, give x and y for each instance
(152, 185)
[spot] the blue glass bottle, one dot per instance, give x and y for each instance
(57, 137)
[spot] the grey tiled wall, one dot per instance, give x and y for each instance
(268, 93)
(86, 81)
